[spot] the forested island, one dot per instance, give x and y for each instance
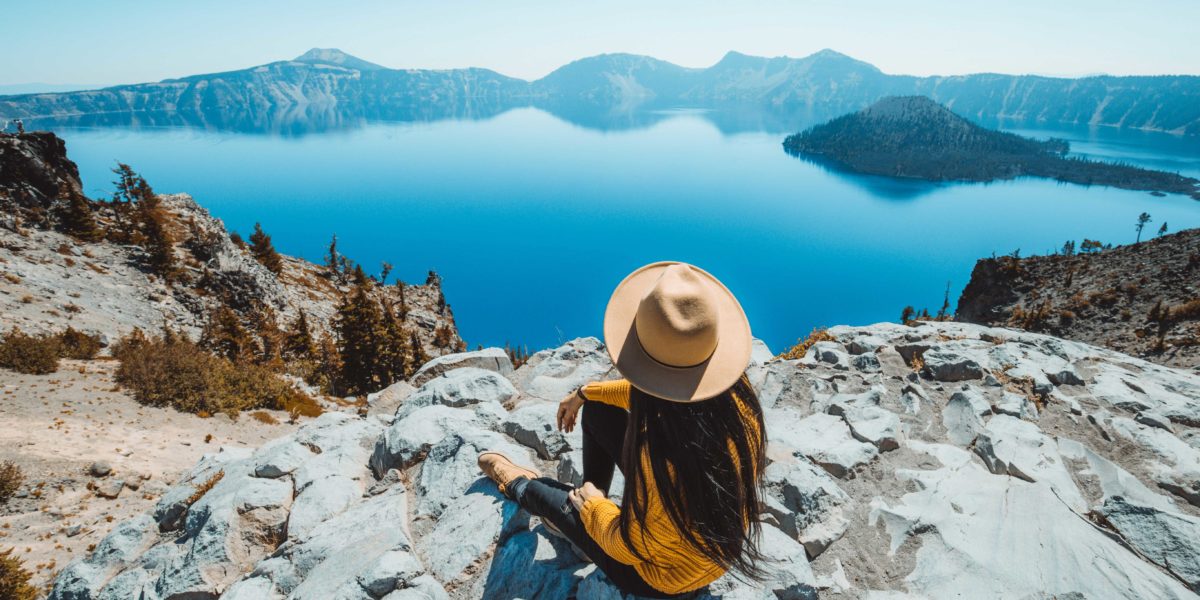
(915, 137)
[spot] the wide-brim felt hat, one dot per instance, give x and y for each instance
(676, 332)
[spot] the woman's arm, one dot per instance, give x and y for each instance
(601, 520)
(615, 393)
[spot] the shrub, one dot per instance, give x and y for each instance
(10, 481)
(14, 580)
(265, 417)
(802, 346)
(173, 371)
(35, 355)
(78, 345)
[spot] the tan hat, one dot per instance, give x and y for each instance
(676, 332)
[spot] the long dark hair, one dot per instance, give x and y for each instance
(710, 493)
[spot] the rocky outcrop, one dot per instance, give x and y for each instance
(53, 280)
(33, 170)
(1142, 299)
(882, 481)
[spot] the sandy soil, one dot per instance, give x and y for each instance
(55, 426)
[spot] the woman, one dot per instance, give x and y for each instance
(684, 427)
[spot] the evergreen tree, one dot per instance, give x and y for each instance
(906, 315)
(75, 215)
(1162, 230)
(1141, 224)
(263, 251)
(274, 340)
(361, 332)
(419, 356)
(333, 259)
(402, 304)
(237, 240)
(394, 351)
(157, 238)
(299, 344)
(385, 269)
(225, 336)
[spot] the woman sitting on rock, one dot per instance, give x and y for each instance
(686, 430)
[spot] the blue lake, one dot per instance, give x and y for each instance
(531, 220)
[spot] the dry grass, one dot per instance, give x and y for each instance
(11, 478)
(204, 487)
(12, 278)
(14, 579)
(801, 348)
(265, 417)
(174, 371)
(34, 355)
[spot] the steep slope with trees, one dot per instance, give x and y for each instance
(1142, 299)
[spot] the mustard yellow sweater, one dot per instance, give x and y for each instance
(672, 565)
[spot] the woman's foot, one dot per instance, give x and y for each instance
(503, 471)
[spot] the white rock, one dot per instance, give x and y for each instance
(491, 359)
(1014, 447)
(460, 388)
(823, 438)
(552, 374)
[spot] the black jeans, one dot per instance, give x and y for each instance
(603, 434)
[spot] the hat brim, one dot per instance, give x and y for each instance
(680, 384)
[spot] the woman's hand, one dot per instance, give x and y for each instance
(568, 410)
(581, 495)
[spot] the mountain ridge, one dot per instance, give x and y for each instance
(829, 80)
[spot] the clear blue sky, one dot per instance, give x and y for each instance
(126, 41)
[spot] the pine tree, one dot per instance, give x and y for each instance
(361, 333)
(1141, 224)
(333, 260)
(299, 344)
(402, 304)
(273, 338)
(1162, 230)
(75, 215)
(225, 336)
(394, 348)
(419, 356)
(385, 269)
(158, 242)
(263, 251)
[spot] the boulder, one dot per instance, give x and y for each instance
(552, 374)
(475, 521)
(534, 424)
(385, 402)
(408, 439)
(782, 383)
(451, 467)
(823, 438)
(1169, 538)
(874, 425)
(490, 359)
(949, 365)
(280, 458)
(806, 502)
(319, 501)
(1014, 447)
(85, 578)
(460, 388)
(1015, 405)
(963, 416)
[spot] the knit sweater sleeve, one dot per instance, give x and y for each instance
(601, 519)
(615, 393)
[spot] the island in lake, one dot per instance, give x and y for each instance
(915, 137)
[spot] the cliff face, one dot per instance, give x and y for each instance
(944, 460)
(1142, 299)
(33, 168)
(53, 280)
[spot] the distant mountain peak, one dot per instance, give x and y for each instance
(333, 56)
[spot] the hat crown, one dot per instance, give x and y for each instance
(677, 319)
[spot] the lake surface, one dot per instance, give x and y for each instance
(532, 219)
